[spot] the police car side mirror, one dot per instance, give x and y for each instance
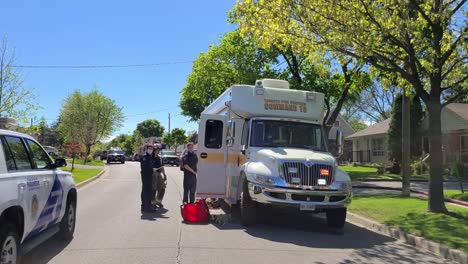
(60, 162)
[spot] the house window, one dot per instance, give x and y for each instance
(336, 124)
(464, 143)
(378, 149)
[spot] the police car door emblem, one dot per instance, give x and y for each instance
(34, 206)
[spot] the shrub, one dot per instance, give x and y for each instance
(417, 166)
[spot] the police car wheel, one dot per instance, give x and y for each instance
(9, 242)
(67, 226)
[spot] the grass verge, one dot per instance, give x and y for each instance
(410, 215)
(358, 173)
(90, 163)
(456, 194)
(82, 174)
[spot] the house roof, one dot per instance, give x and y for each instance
(459, 109)
(380, 128)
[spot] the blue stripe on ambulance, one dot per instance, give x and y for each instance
(51, 211)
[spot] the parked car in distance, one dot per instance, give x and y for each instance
(115, 156)
(53, 152)
(136, 157)
(104, 155)
(170, 157)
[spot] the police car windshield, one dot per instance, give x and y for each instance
(169, 153)
(113, 152)
(274, 134)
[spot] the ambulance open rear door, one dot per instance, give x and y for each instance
(212, 156)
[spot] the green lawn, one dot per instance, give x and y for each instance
(367, 173)
(410, 215)
(82, 174)
(456, 194)
(91, 163)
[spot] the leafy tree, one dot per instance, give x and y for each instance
(88, 118)
(422, 44)
(167, 139)
(178, 137)
(193, 137)
(376, 102)
(357, 125)
(150, 128)
(234, 60)
(15, 99)
(395, 133)
(175, 138)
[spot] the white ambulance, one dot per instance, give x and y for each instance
(265, 145)
(37, 199)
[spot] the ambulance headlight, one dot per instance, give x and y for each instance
(263, 179)
(342, 185)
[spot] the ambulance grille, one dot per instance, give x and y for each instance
(298, 173)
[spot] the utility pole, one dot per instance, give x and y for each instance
(169, 123)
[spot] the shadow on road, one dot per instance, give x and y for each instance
(154, 216)
(46, 251)
(311, 230)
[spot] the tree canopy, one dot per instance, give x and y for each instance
(150, 128)
(234, 60)
(420, 44)
(89, 118)
(16, 100)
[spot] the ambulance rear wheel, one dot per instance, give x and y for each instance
(248, 207)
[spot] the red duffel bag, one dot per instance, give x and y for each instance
(195, 213)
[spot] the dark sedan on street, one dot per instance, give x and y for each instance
(170, 157)
(115, 156)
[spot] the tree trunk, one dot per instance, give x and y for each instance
(405, 148)
(73, 161)
(436, 184)
(88, 150)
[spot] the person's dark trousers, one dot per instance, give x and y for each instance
(190, 187)
(146, 191)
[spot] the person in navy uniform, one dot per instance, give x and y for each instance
(146, 165)
(189, 162)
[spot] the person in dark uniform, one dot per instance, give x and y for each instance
(159, 178)
(146, 165)
(190, 161)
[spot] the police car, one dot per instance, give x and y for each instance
(37, 199)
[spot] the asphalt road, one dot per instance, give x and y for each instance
(111, 229)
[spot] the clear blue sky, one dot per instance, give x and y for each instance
(113, 33)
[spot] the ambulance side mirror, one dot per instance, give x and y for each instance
(243, 150)
(338, 148)
(229, 141)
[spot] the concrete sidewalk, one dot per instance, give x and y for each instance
(417, 186)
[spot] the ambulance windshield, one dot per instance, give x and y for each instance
(274, 134)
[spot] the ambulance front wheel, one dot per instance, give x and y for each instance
(336, 218)
(248, 207)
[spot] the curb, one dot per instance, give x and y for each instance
(81, 184)
(416, 241)
(459, 202)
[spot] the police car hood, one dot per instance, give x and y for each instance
(292, 154)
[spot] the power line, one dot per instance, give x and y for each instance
(99, 66)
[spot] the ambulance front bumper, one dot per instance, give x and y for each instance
(299, 198)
